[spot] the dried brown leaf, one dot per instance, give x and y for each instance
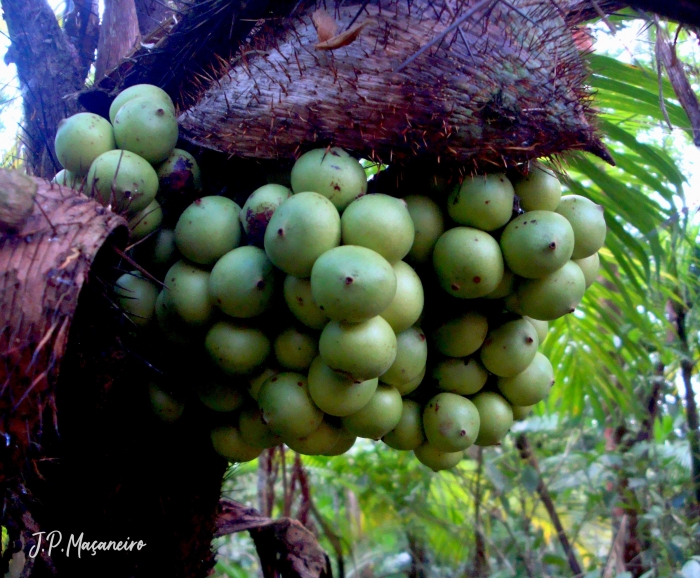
(326, 26)
(343, 39)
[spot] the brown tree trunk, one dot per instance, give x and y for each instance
(151, 15)
(119, 34)
(82, 27)
(49, 70)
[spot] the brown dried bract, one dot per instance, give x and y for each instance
(343, 39)
(325, 24)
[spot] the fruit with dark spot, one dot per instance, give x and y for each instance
(411, 357)
(588, 223)
(145, 222)
(80, 139)
(530, 385)
(300, 301)
(463, 376)
(258, 210)
(146, 127)
(336, 394)
(378, 416)
(254, 430)
(552, 296)
(287, 407)
(408, 433)
(540, 190)
(542, 327)
(484, 202)
(180, 182)
(495, 417)
(510, 348)
(164, 405)
(450, 422)
(139, 91)
(295, 349)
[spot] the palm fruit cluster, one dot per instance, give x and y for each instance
(324, 313)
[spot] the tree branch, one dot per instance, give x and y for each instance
(82, 27)
(119, 34)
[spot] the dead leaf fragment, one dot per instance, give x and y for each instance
(343, 39)
(326, 26)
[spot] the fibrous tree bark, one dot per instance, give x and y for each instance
(119, 34)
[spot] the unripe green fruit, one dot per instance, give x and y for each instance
(254, 430)
(139, 91)
(164, 405)
(208, 229)
(436, 459)
(542, 328)
(236, 349)
(344, 443)
(146, 127)
(554, 295)
(287, 407)
(461, 336)
(336, 394)
(536, 244)
(158, 253)
(80, 139)
(428, 223)
(409, 386)
(145, 222)
(406, 307)
(359, 350)
(186, 293)
(512, 305)
(411, 357)
(495, 417)
(242, 282)
(450, 422)
(229, 443)
(137, 297)
(171, 325)
(323, 439)
(521, 412)
(258, 379)
(122, 180)
(352, 284)
(408, 433)
(510, 348)
(68, 179)
(588, 223)
(303, 228)
(381, 223)
(258, 210)
(505, 287)
(484, 202)
(378, 417)
(540, 190)
(589, 267)
(295, 350)
(463, 376)
(220, 393)
(300, 301)
(332, 173)
(530, 385)
(468, 262)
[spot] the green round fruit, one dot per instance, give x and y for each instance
(139, 91)
(287, 407)
(258, 210)
(68, 179)
(540, 190)
(484, 202)
(254, 430)
(229, 443)
(510, 348)
(208, 229)
(80, 139)
(352, 284)
(360, 351)
(463, 376)
(410, 386)
(378, 417)
(461, 336)
(220, 393)
(122, 180)
(520, 412)
(158, 253)
(468, 262)
(589, 267)
(505, 287)
(145, 222)
(295, 350)
(257, 380)
(300, 301)
(186, 293)
(552, 296)
(171, 325)
(530, 385)
(428, 223)
(435, 459)
(411, 357)
(537, 243)
(147, 127)
(381, 223)
(302, 228)
(164, 405)
(408, 433)
(242, 282)
(542, 328)
(180, 182)
(336, 394)
(137, 297)
(332, 173)
(588, 223)
(323, 439)
(406, 307)
(495, 417)
(344, 443)
(450, 422)
(236, 349)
